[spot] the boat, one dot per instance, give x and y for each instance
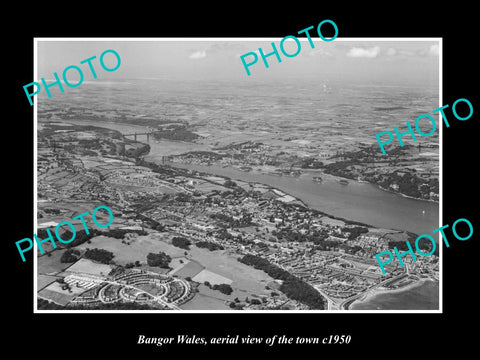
(343, 182)
(317, 179)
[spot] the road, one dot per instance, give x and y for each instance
(159, 299)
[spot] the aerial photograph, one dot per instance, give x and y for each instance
(233, 192)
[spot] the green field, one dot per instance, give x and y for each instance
(55, 293)
(51, 265)
(137, 250)
(245, 280)
(89, 267)
(207, 299)
(44, 280)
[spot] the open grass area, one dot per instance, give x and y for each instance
(207, 299)
(51, 265)
(151, 289)
(54, 293)
(220, 265)
(190, 269)
(89, 267)
(245, 279)
(44, 281)
(401, 236)
(208, 186)
(211, 277)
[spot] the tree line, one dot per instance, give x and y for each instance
(100, 255)
(209, 245)
(292, 286)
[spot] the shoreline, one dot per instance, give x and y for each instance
(403, 195)
(303, 171)
(370, 294)
(310, 171)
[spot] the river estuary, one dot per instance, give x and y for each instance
(357, 201)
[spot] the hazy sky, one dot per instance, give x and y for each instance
(414, 62)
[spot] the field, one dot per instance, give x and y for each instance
(89, 267)
(401, 236)
(172, 148)
(189, 269)
(137, 250)
(44, 280)
(178, 263)
(151, 289)
(222, 267)
(55, 293)
(51, 265)
(70, 209)
(205, 302)
(208, 186)
(245, 279)
(332, 222)
(212, 278)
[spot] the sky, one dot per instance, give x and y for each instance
(415, 62)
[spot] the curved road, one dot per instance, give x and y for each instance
(159, 299)
(344, 304)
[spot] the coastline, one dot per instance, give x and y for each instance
(382, 188)
(330, 207)
(371, 294)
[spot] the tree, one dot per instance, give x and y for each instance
(161, 259)
(229, 183)
(209, 245)
(223, 288)
(295, 288)
(356, 231)
(99, 255)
